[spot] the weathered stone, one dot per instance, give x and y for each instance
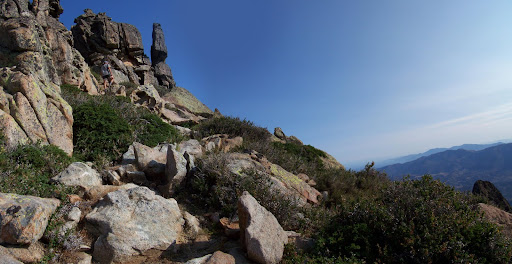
(192, 224)
(158, 49)
(489, 191)
(200, 260)
(220, 257)
(146, 95)
(222, 142)
(278, 132)
(293, 182)
(260, 232)
(113, 178)
(129, 222)
(137, 177)
(38, 108)
(499, 217)
(231, 229)
(32, 253)
(181, 97)
(129, 156)
(23, 219)
(97, 192)
(79, 174)
(175, 171)
(151, 161)
(192, 147)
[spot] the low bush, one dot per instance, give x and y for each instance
(27, 170)
(104, 126)
(150, 130)
(99, 131)
(232, 126)
(414, 221)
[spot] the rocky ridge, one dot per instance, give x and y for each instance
(129, 212)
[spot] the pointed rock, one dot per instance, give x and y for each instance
(260, 232)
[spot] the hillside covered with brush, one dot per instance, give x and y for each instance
(143, 172)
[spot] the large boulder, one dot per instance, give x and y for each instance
(79, 174)
(499, 217)
(23, 219)
(260, 232)
(130, 222)
(489, 191)
(183, 98)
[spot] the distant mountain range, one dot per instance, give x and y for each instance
(462, 167)
(412, 157)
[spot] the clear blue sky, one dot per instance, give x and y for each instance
(362, 80)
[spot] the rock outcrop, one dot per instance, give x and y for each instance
(498, 216)
(489, 191)
(158, 55)
(36, 56)
(260, 233)
(130, 222)
(23, 219)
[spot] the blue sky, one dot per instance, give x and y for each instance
(362, 80)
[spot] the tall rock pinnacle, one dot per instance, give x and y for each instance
(158, 55)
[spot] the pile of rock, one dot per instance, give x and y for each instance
(98, 38)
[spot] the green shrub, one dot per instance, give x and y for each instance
(151, 130)
(100, 131)
(414, 221)
(132, 122)
(234, 127)
(27, 170)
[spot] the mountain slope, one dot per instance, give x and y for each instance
(461, 168)
(404, 159)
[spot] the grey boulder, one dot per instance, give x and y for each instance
(129, 222)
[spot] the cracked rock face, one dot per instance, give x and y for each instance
(36, 57)
(23, 219)
(129, 222)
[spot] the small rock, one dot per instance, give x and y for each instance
(220, 257)
(231, 229)
(200, 260)
(137, 177)
(79, 174)
(129, 156)
(113, 178)
(74, 214)
(192, 224)
(73, 198)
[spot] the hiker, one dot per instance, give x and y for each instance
(106, 73)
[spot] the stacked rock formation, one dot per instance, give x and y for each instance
(158, 56)
(36, 56)
(98, 38)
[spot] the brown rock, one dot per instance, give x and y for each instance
(498, 216)
(220, 257)
(231, 229)
(23, 219)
